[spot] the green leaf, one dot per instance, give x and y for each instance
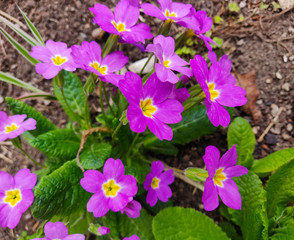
(230, 230)
(43, 124)
(196, 174)
(6, 77)
(177, 223)
(112, 222)
(61, 143)
(218, 19)
(60, 193)
(195, 124)
(273, 161)
(218, 41)
(166, 149)
(276, 6)
(252, 218)
(19, 31)
(263, 6)
(75, 96)
(280, 188)
(19, 47)
(284, 226)
(141, 226)
(234, 7)
(33, 29)
(240, 133)
(94, 156)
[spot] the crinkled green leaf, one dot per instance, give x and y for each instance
(230, 230)
(19, 47)
(273, 161)
(19, 107)
(112, 222)
(284, 229)
(94, 156)
(75, 96)
(141, 226)
(252, 217)
(61, 143)
(195, 124)
(177, 223)
(32, 28)
(196, 174)
(166, 149)
(60, 193)
(280, 188)
(240, 133)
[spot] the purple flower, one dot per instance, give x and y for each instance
(179, 94)
(16, 196)
(169, 10)
(58, 230)
(123, 21)
(13, 126)
(88, 57)
(200, 24)
(133, 237)
(133, 209)
(219, 88)
(112, 189)
(103, 230)
(219, 181)
(55, 56)
(164, 50)
(156, 183)
(150, 105)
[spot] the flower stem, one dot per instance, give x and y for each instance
(131, 148)
(116, 130)
(101, 104)
(107, 100)
(148, 60)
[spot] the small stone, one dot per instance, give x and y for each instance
(279, 75)
(269, 80)
(138, 65)
(259, 102)
(291, 58)
(1, 99)
(97, 33)
(285, 58)
(242, 4)
(46, 102)
(255, 129)
(286, 136)
(289, 127)
(274, 110)
(270, 139)
(291, 30)
(286, 87)
(277, 129)
(240, 42)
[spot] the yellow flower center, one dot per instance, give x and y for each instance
(110, 188)
(12, 197)
(11, 128)
(168, 14)
(57, 60)
(120, 27)
(155, 182)
(96, 66)
(213, 93)
(147, 107)
(219, 177)
(166, 63)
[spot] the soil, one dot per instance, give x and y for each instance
(263, 42)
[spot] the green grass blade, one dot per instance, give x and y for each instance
(19, 47)
(5, 77)
(32, 28)
(20, 32)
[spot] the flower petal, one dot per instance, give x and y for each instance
(136, 118)
(235, 171)
(6, 182)
(163, 192)
(217, 114)
(229, 194)
(74, 237)
(160, 130)
(232, 96)
(26, 201)
(24, 179)
(229, 159)
(126, 13)
(98, 204)
(169, 111)
(128, 185)
(151, 197)
(157, 168)
(132, 87)
(211, 160)
(113, 169)
(165, 74)
(118, 202)
(92, 181)
(151, 10)
(210, 197)
(200, 71)
(115, 61)
(55, 230)
(167, 177)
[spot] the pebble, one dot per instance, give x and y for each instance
(289, 127)
(242, 4)
(1, 99)
(259, 102)
(97, 33)
(285, 58)
(270, 139)
(255, 129)
(286, 87)
(137, 66)
(277, 129)
(279, 75)
(274, 110)
(286, 136)
(291, 30)
(240, 42)
(291, 58)
(269, 80)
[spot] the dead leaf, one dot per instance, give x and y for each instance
(285, 4)
(248, 82)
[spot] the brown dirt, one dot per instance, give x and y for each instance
(253, 45)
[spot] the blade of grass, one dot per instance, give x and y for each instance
(32, 28)
(20, 32)
(47, 96)
(19, 47)
(13, 19)
(5, 77)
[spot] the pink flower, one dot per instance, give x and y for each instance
(123, 21)
(103, 230)
(55, 56)
(150, 105)
(169, 10)
(156, 183)
(219, 181)
(88, 57)
(112, 189)
(132, 210)
(164, 50)
(16, 196)
(133, 237)
(14, 126)
(58, 230)
(219, 88)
